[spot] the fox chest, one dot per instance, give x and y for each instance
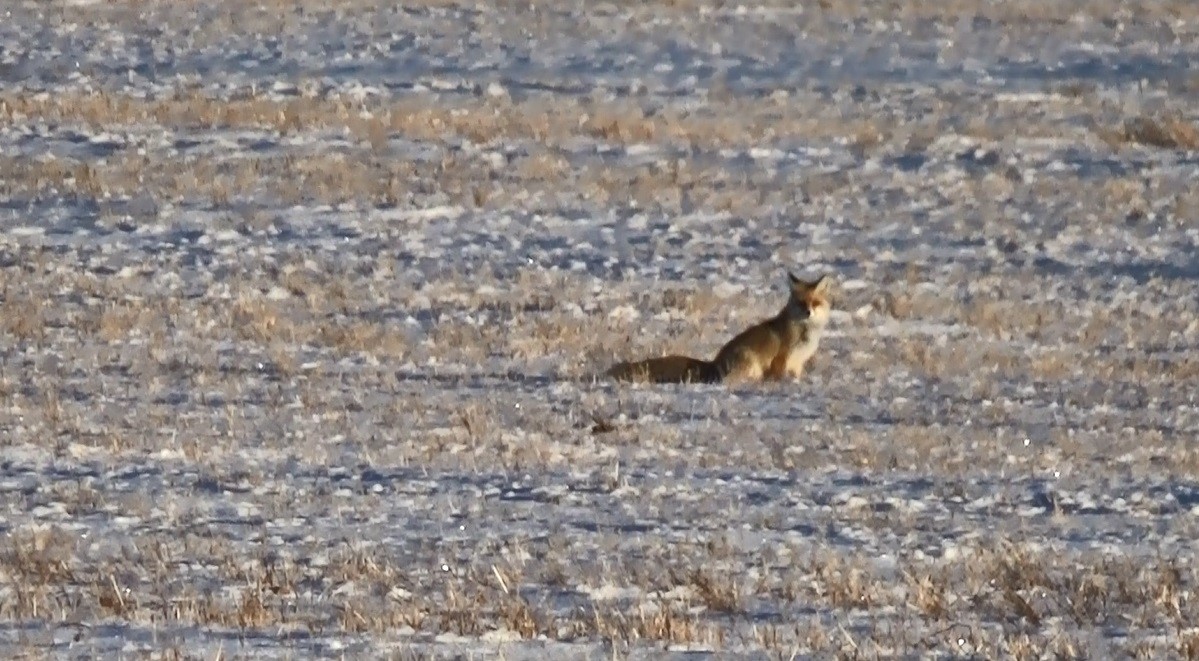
(801, 352)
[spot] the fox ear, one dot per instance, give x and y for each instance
(817, 286)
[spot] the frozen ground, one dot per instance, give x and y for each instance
(301, 300)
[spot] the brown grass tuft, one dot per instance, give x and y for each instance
(1163, 131)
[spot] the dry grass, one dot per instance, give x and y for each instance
(373, 122)
(240, 16)
(989, 600)
(249, 183)
(995, 596)
(274, 432)
(1162, 131)
(23, 320)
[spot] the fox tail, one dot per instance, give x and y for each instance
(667, 369)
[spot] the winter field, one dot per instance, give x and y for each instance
(301, 305)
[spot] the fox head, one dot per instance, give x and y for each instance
(809, 299)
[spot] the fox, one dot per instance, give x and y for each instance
(767, 351)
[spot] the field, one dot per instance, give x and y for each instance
(302, 303)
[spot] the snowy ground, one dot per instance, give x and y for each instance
(301, 304)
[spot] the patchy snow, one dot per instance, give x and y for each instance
(302, 310)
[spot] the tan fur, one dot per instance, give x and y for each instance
(771, 350)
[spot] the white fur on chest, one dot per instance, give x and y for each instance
(802, 352)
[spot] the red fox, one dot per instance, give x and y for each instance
(770, 350)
